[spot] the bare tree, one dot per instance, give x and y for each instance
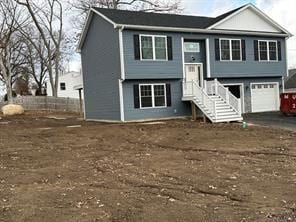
(83, 6)
(11, 44)
(47, 17)
(36, 60)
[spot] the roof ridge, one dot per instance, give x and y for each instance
(155, 13)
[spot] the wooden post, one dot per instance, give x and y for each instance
(80, 102)
(204, 118)
(193, 110)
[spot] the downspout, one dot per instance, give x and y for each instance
(122, 73)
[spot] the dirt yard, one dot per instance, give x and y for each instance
(171, 171)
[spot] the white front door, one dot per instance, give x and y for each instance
(265, 97)
(193, 72)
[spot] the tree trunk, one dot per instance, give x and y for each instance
(9, 91)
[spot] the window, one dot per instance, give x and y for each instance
(236, 49)
(191, 47)
(62, 86)
(267, 50)
(272, 51)
(153, 47)
(160, 48)
(230, 50)
(152, 95)
(147, 47)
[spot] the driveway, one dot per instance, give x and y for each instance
(273, 119)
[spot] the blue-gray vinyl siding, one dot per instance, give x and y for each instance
(178, 108)
(101, 71)
(250, 67)
(137, 69)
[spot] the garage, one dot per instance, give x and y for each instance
(264, 97)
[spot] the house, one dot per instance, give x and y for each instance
(69, 85)
(290, 81)
(142, 66)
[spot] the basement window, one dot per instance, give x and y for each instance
(152, 95)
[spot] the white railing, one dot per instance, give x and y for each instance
(214, 87)
(192, 89)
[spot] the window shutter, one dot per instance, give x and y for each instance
(136, 96)
(168, 94)
(279, 50)
(217, 49)
(256, 53)
(243, 50)
(170, 48)
(137, 47)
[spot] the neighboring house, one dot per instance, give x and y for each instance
(69, 85)
(290, 81)
(140, 66)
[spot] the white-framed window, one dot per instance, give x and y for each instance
(152, 95)
(191, 47)
(230, 50)
(267, 50)
(153, 47)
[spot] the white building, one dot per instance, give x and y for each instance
(68, 86)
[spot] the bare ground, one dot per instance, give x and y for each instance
(176, 171)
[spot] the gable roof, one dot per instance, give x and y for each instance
(125, 17)
(261, 15)
(172, 22)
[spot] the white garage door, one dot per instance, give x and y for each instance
(265, 97)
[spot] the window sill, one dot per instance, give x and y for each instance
(154, 60)
(157, 107)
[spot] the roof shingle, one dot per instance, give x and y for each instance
(162, 20)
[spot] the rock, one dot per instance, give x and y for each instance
(12, 109)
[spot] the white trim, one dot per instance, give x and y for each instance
(265, 83)
(138, 121)
(259, 12)
(87, 23)
(268, 55)
(122, 67)
(286, 59)
(192, 51)
(84, 30)
(121, 103)
(208, 59)
(283, 84)
(228, 17)
(84, 110)
(201, 71)
(183, 57)
(196, 30)
(104, 17)
(230, 50)
(152, 95)
(242, 89)
(153, 47)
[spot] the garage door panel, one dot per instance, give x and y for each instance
(264, 97)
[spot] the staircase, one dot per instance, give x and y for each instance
(214, 100)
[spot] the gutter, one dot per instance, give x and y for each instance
(195, 30)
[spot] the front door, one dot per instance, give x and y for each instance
(194, 73)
